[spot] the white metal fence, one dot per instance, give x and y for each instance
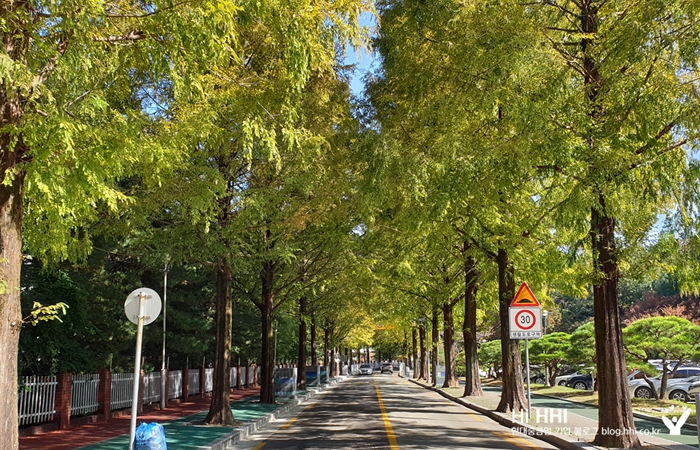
(37, 395)
(37, 399)
(208, 380)
(193, 382)
(175, 386)
(122, 390)
(84, 394)
(151, 388)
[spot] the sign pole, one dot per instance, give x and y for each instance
(527, 375)
(163, 394)
(137, 369)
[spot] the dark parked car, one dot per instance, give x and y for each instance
(537, 378)
(583, 382)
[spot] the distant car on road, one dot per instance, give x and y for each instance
(386, 367)
(366, 369)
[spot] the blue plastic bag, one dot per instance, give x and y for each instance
(150, 436)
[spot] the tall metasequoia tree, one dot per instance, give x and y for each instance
(424, 373)
(434, 355)
(512, 392)
(472, 385)
(220, 409)
(71, 125)
(303, 344)
(628, 68)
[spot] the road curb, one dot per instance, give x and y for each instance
(249, 428)
(504, 421)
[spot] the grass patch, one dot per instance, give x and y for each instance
(575, 395)
(659, 408)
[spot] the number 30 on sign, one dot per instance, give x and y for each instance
(525, 323)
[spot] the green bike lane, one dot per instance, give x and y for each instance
(581, 421)
(188, 433)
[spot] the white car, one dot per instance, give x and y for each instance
(366, 369)
(677, 388)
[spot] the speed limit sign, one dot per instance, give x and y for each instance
(525, 315)
(525, 323)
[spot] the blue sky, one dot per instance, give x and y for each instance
(365, 62)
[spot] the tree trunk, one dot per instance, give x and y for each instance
(414, 350)
(664, 380)
(11, 213)
(301, 360)
(12, 106)
(267, 382)
(513, 391)
(451, 379)
(422, 374)
(404, 348)
(220, 408)
(326, 345)
(615, 421)
(471, 278)
(332, 363)
(435, 354)
(314, 345)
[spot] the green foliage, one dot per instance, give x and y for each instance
(41, 313)
(551, 350)
(489, 354)
(70, 344)
(582, 350)
(666, 338)
(574, 311)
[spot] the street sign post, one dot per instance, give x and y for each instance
(525, 323)
(141, 307)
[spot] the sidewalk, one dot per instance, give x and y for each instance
(182, 422)
(579, 424)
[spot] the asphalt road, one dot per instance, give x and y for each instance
(385, 412)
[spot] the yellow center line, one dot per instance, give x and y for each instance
(517, 441)
(389, 431)
(289, 423)
(259, 446)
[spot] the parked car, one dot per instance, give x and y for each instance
(366, 369)
(582, 382)
(537, 378)
(694, 389)
(677, 388)
(386, 367)
(565, 376)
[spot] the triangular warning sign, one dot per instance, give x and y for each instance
(524, 297)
